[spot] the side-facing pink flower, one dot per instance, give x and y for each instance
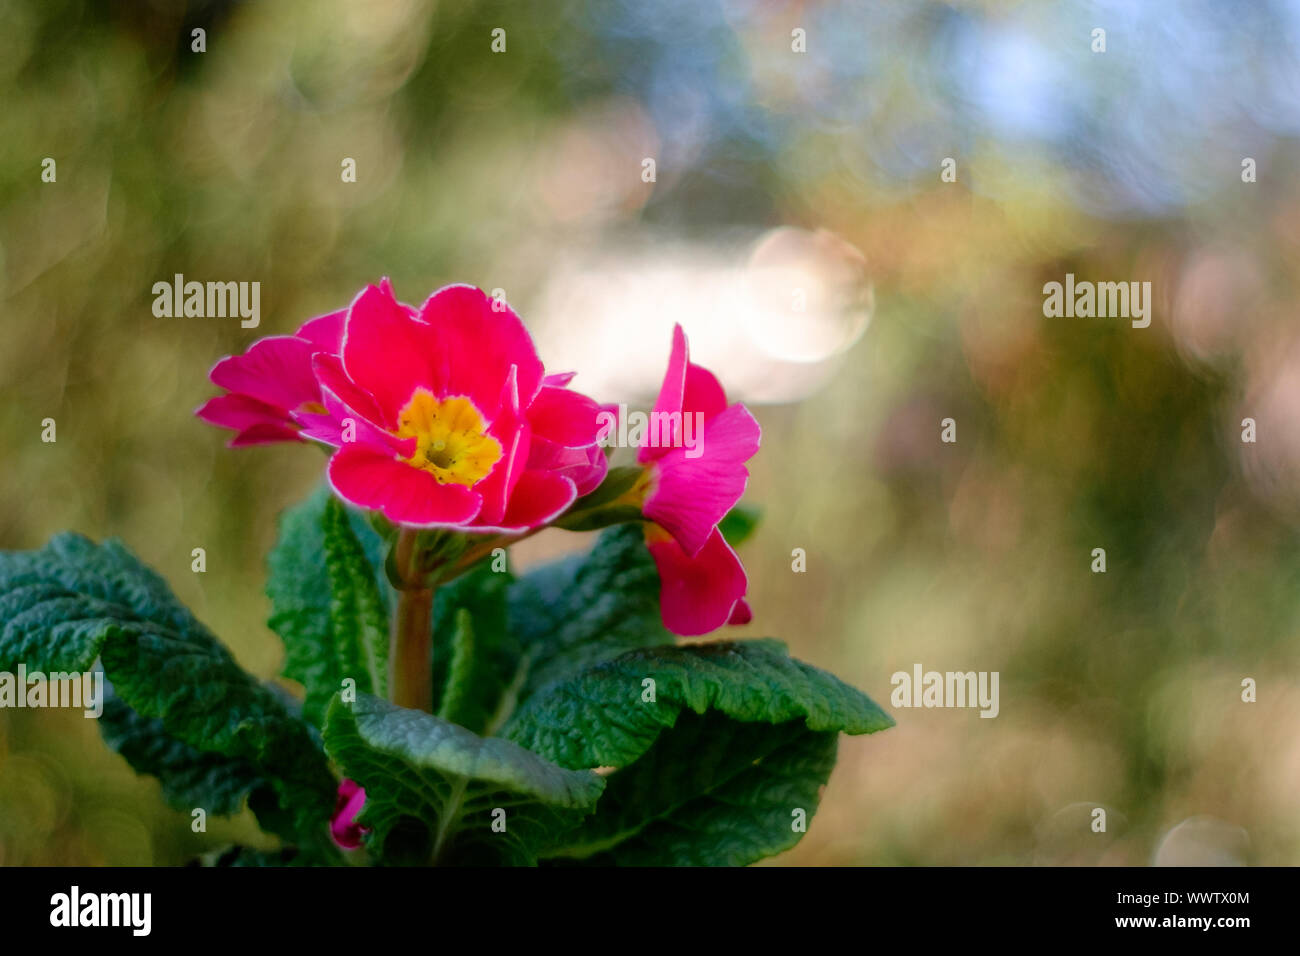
(447, 419)
(272, 393)
(690, 489)
(345, 830)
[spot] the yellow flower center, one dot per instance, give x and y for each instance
(450, 437)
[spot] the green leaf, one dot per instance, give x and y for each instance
(526, 632)
(478, 661)
(599, 718)
(739, 523)
(358, 612)
(694, 730)
(329, 600)
(710, 792)
(457, 697)
(190, 777)
(72, 601)
(432, 786)
(58, 604)
(582, 610)
(521, 633)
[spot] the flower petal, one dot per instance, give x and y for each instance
(240, 412)
(320, 427)
(564, 417)
(741, 613)
(701, 593)
(586, 467)
(703, 392)
(325, 332)
(386, 352)
(344, 423)
(344, 829)
(275, 370)
(482, 345)
(689, 496)
(264, 435)
(671, 392)
(332, 379)
(539, 496)
(512, 433)
(405, 494)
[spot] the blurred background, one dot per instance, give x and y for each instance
(795, 221)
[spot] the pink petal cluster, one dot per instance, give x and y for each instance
(272, 392)
(702, 581)
(344, 829)
(440, 416)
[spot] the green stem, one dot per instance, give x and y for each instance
(410, 678)
(410, 656)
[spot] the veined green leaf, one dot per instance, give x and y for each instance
(583, 610)
(437, 789)
(602, 717)
(720, 749)
(711, 791)
(73, 601)
(330, 601)
(478, 662)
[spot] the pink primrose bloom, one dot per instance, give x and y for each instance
(446, 418)
(690, 489)
(345, 830)
(439, 417)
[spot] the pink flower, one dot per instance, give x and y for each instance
(439, 417)
(272, 392)
(690, 489)
(345, 830)
(443, 417)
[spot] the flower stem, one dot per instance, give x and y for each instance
(410, 657)
(410, 680)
